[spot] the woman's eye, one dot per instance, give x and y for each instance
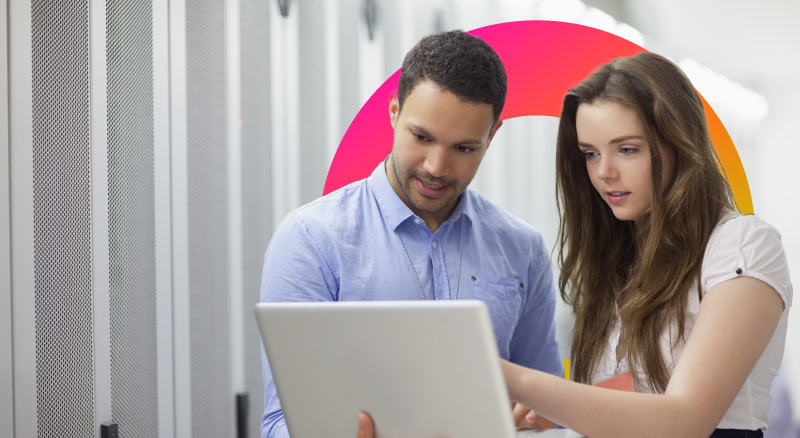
(627, 150)
(589, 154)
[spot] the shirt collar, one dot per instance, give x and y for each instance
(395, 211)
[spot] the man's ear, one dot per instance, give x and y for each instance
(493, 131)
(394, 111)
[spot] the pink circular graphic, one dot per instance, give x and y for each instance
(543, 59)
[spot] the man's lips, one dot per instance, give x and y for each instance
(430, 189)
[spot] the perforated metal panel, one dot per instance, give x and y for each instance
(212, 396)
(131, 212)
(62, 219)
(256, 188)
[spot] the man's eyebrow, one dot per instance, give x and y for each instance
(420, 130)
(615, 140)
(470, 142)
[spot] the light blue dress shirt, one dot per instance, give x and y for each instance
(343, 247)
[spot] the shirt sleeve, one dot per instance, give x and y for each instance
(746, 245)
(299, 265)
(534, 341)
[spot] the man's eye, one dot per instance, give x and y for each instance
(420, 137)
(465, 149)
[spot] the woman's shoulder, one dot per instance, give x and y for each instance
(736, 231)
(746, 245)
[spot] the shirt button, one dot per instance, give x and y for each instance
(434, 244)
(416, 221)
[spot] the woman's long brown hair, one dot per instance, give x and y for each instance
(642, 272)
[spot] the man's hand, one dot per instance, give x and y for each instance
(525, 418)
(366, 428)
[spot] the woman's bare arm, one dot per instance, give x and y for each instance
(735, 323)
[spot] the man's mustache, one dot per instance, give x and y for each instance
(432, 179)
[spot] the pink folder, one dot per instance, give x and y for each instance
(622, 382)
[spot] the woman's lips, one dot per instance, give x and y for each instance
(617, 197)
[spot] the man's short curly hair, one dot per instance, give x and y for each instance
(459, 63)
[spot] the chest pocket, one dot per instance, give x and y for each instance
(503, 297)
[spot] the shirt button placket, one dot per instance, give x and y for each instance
(443, 279)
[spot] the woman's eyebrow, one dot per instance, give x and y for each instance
(626, 137)
(615, 140)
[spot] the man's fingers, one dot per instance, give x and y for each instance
(366, 429)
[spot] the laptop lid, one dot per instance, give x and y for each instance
(419, 368)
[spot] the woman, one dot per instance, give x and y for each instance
(665, 279)
(671, 288)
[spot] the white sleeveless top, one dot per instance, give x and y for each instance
(744, 243)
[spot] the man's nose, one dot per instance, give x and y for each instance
(436, 161)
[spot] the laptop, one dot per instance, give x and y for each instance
(419, 368)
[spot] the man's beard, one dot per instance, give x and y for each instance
(405, 187)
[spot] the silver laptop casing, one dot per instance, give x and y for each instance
(420, 368)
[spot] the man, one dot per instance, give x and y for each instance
(412, 230)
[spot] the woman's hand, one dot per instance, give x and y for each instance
(525, 418)
(511, 373)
